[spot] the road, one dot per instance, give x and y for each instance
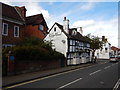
(101, 75)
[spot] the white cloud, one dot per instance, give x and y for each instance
(6, 2)
(108, 28)
(83, 23)
(87, 6)
(34, 8)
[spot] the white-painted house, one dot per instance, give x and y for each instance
(105, 51)
(69, 42)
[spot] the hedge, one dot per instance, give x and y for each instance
(34, 49)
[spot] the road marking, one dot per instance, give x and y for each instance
(113, 64)
(103, 63)
(20, 84)
(117, 85)
(69, 83)
(94, 72)
(107, 67)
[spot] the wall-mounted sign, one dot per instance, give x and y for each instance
(12, 58)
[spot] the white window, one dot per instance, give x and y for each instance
(41, 27)
(5, 29)
(73, 42)
(16, 31)
(7, 45)
(70, 42)
(71, 48)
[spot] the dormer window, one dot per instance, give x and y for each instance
(74, 32)
(41, 27)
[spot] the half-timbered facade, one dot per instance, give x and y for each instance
(70, 42)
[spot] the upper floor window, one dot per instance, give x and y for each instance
(5, 29)
(16, 31)
(54, 28)
(70, 42)
(41, 27)
(106, 49)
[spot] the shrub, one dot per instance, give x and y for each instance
(33, 49)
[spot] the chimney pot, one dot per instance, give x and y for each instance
(64, 18)
(103, 38)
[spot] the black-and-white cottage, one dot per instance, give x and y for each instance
(70, 42)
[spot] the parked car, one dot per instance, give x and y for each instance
(118, 57)
(113, 59)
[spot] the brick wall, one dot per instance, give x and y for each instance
(10, 39)
(27, 66)
(33, 30)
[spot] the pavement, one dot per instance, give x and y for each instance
(11, 80)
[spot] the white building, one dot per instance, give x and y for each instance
(105, 51)
(69, 42)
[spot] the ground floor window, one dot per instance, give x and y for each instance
(7, 45)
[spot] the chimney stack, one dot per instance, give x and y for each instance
(22, 10)
(66, 25)
(79, 29)
(103, 38)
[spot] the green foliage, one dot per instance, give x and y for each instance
(30, 41)
(95, 42)
(31, 53)
(34, 49)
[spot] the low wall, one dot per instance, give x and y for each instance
(32, 66)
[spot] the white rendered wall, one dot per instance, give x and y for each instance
(59, 40)
(103, 54)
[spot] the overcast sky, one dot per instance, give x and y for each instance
(97, 18)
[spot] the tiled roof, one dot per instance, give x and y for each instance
(78, 36)
(10, 12)
(35, 19)
(114, 48)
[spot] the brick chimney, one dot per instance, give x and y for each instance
(66, 25)
(22, 10)
(103, 38)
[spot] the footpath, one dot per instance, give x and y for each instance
(11, 80)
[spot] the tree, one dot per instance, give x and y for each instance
(95, 43)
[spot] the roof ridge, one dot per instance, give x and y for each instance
(34, 15)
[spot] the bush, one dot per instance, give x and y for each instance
(30, 53)
(33, 49)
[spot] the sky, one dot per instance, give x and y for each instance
(98, 18)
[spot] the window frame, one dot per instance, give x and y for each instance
(18, 30)
(40, 27)
(3, 30)
(54, 29)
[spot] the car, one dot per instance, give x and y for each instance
(113, 59)
(118, 57)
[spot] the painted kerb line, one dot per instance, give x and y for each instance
(20, 84)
